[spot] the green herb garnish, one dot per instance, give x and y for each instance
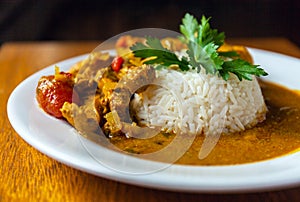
(161, 55)
(203, 43)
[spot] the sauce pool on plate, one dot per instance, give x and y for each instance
(278, 135)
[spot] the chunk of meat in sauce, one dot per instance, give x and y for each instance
(53, 91)
(119, 118)
(134, 80)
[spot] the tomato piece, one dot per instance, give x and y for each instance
(117, 63)
(51, 93)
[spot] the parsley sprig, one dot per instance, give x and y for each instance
(154, 50)
(203, 43)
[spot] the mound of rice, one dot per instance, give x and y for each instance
(198, 103)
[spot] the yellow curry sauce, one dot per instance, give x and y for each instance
(278, 135)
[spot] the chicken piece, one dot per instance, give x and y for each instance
(119, 120)
(87, 116)
(134, 80)
(84, 118)
(88, 67)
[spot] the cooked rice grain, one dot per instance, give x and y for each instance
(191, 102)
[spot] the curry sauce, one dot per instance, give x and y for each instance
(278, 135)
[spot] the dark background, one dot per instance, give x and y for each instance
(100, 20)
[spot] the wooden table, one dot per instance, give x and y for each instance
(28, 175)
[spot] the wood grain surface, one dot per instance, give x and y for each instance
(28, 175)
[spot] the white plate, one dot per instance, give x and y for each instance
(58, 140)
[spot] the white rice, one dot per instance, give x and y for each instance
(198, 103)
